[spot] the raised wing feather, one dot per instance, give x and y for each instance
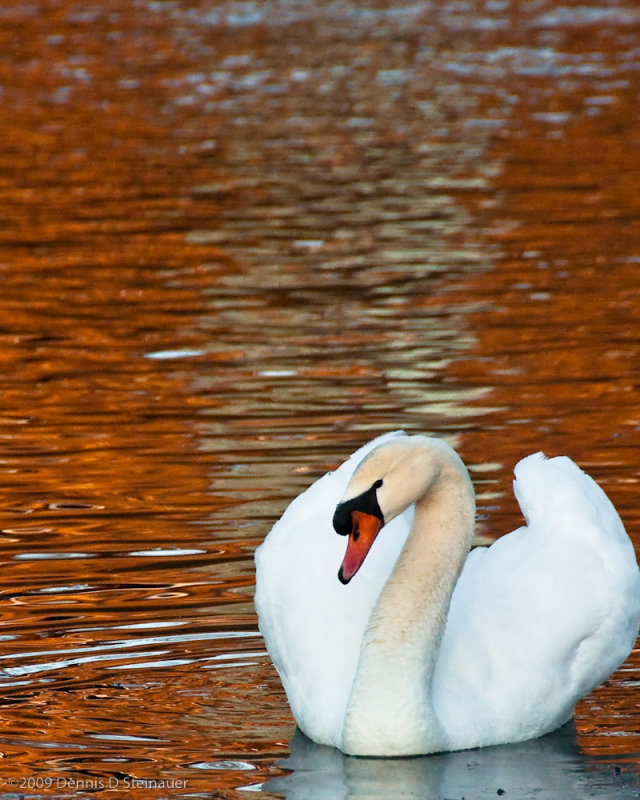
(544, 614)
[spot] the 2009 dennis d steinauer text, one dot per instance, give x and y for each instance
(93, 784)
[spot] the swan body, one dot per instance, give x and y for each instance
(429, 647)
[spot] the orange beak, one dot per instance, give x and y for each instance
(363, 533)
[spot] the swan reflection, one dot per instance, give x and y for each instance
(548, 768)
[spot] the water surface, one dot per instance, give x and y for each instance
(239, 239)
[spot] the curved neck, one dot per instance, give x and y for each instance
(390, 707)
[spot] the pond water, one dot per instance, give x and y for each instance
(238, 240)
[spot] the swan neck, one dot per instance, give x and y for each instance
(401, 643)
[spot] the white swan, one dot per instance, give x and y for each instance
(430, 647)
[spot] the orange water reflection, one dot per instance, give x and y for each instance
(237, 239)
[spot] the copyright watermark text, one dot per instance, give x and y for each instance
(93, 784)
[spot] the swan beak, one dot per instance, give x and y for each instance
(365, 528)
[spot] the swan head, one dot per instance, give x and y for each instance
(385, 483)
(360, 518)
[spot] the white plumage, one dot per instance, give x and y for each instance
(534, 623)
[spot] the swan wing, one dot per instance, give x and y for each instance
(543, 615)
